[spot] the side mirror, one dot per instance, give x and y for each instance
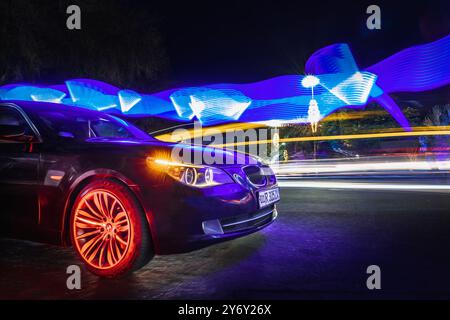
(13, 133)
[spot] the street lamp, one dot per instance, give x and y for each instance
(313, 109)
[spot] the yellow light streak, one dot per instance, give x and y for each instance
(209, 131)
(167, 163)
(343, 137)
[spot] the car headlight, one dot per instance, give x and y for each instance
(191, 175)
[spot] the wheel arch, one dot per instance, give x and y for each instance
(109, 174)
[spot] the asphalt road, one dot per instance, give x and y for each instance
(319, 248)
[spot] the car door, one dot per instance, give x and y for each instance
(19, 163)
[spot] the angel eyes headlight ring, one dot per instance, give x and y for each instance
(190, 176)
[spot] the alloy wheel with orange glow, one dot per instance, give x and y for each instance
(102, 229)
(109, 231)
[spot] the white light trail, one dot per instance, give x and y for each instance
(363, 186)
(330, 167)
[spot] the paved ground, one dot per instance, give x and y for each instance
(319, 248)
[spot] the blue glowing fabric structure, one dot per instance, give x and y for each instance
(333, 80)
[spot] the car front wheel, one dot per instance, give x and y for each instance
(108, 229)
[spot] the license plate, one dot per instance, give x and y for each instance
(267, 197)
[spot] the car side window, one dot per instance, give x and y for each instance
(105, 128)
(10, 119)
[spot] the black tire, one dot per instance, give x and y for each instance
(138, 250)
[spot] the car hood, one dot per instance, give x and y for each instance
(180, 152)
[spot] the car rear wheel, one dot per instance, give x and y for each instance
(108, 229)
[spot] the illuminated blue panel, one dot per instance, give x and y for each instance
(181, 100)
(31, 93)
(418, 68)
(48, 95)
(85, 95)
(3, 93)
(336, 58)
(101, 86)
(128, 99)
(151, 105)
(355, 89)
(210, 105)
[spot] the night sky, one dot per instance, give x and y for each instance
(153, 45)
(240, 41)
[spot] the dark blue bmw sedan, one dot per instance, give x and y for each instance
(71, 176)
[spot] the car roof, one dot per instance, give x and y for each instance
(33, 106)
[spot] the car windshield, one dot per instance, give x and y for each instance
(89, 125)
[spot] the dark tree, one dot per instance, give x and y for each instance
(119, 43)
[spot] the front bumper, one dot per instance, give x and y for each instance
(183, 218)
(234, 226)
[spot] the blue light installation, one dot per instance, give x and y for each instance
(332, 76)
